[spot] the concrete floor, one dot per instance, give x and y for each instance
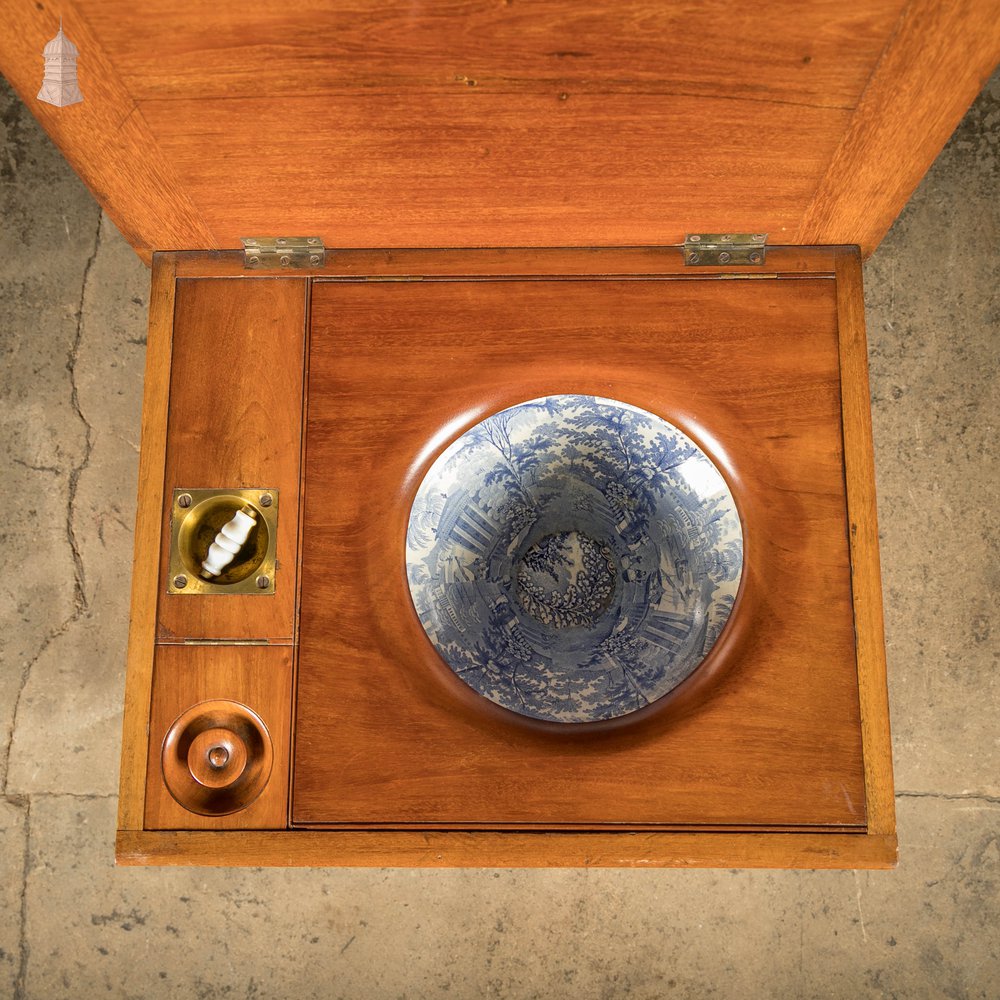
(73, 302)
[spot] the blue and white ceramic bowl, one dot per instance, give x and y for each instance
(573, 558)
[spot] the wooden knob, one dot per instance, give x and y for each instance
(216, 758)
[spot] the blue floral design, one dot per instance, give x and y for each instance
(573, 558)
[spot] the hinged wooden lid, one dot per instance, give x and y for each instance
(505, 124)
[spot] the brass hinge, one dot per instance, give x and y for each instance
(722, 249)
(270, 252)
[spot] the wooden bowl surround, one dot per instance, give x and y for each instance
(750, 371)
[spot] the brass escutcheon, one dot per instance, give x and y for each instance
(196, 516)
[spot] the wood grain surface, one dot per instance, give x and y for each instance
(818, 54)
(236, 422)
(464, 849)
(476, 123)
(476, 168)
(766, 732)
(258, 677)
(937, 61)
(866, 575)
(146, 561)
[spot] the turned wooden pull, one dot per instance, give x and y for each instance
(216, 758)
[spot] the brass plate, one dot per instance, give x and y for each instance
(194, 527)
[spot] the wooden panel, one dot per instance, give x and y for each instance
(937, 62)
(476, 123)
(866, 575)
(145, 564)
(766, 732)
(455, 849)
(256, 676)
(482, 169)
(236, 422)
(817, 54)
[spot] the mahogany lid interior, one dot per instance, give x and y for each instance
(504, 123)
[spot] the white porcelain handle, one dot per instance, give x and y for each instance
(228, 542)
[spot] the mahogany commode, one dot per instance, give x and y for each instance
(310, 720)
(773, 752)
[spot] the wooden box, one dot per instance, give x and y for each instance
(580, 144)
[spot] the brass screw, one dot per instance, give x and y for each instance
(693, 258)
(180, 582)
(263, 582)
(755, 258)
(724, 257)
(695, 239)
(266, 500)
(284, 260)
(253, 261)
(184, 500)
(314, 259)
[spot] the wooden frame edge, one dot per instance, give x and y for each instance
(866, 577)
(299, 545)
(110, 126)
(902, 118)
(520, 262)
(146, 561)
(456, 849)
